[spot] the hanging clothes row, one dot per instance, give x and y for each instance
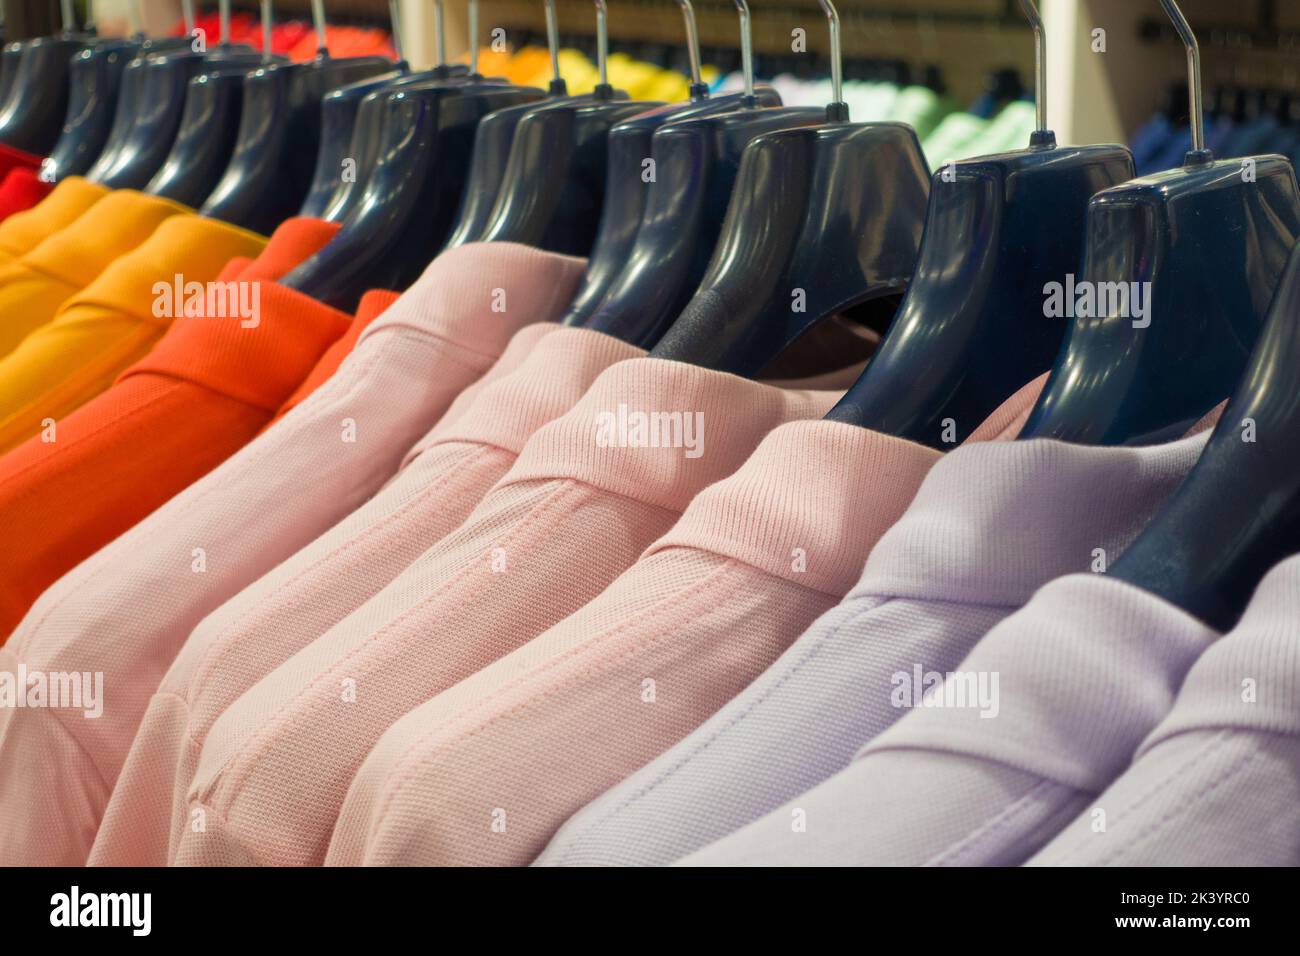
(473, 466)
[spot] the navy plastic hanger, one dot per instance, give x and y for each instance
(630, 143)
(10, 56)
(31, 115)
(821, 219)
(970, 330)
(492, 143)
(554, 181)
(209, 124)
(94, 78)
(413, 193)
(271, 168)
(151, 104)
(1238, 513)
(100, 81)
(1211, 239)
(352, 126)
(696, 162)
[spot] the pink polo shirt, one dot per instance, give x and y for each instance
(543, 372)
(590, 491)
(126, 610)
(536, 735)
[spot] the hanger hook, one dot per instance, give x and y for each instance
(837, 111)
(692, 44)
(395, 28)
(69, 18)
(553, 46)
(1040, 61)
(318, 18)
(473, 37)
(439, 35)
(266, 31)
(746, 47)
(223, 12)
(602, 44)
(1195, 108)
(187, 14)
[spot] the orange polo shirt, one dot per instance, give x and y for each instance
(111, 323)
(33, 286)
(204, 390)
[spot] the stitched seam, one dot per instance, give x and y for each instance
(241, 762)
(408, 767)
(996, 824)
(224, 644)
(67, 446)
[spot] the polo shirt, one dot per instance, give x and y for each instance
(127, 609)
(372, 306)
(292, 243)
(541, 375)
(990, 525)
(35, 285)
(109, 324)
(200, 394)
(587, 495)
(752, 561)
(1084, 672)
(21, 189)
(1215, 782)
(13, 158)
(24, 231)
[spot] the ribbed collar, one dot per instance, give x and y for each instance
(542, 374)
(994, 521)
(259, 365)
(1084, 672)
(705, 424)
(479, 295)
(1249, 680)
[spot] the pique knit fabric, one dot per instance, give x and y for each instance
(21, 189)
(1005, 750)
(589, 492)
(200, 394)
(34, 286)
(109, 324)
(990, 525)
(542, 373)
(1214, 784)
(127, 609)
(532, 737)
(22, 232)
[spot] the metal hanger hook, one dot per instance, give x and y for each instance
(1194, 97)
(602, 43)
(692, 40)
(395, 28)
(553, 41)
(266, 31)
(318, 18)
(1040, 61)
(473, 37)
(746, 46)
(837, 110)
(439, 35)
(187, 14)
